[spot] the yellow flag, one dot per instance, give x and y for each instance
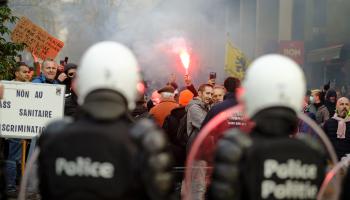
(235, 61)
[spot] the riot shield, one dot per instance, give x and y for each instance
(199, 165)
(331, 188)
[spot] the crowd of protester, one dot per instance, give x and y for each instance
(181, 109)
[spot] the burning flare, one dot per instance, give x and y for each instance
(185, 59)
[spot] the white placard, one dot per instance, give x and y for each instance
(27, 108)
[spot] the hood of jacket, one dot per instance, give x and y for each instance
(197, 101)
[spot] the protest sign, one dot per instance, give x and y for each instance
(294, 50)
(27, 108)
(37, 39)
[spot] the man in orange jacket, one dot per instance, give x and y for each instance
(166, 105)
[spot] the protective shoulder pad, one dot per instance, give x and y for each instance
(155, 159)
(225, 184)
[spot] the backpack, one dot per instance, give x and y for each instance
(176, 130)
(181, 135)
(172, 123)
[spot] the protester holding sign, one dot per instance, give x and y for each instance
(28, 108)
(13, 157)
(48, 73)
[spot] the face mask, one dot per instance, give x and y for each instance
(312, 100)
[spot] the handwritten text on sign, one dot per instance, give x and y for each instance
(37, 39)
(26, 108)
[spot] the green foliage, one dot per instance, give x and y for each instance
(8, 50)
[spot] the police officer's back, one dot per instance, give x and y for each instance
(103, 155)
(267, 163)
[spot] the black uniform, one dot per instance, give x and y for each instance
(103, 155)
(269, 164)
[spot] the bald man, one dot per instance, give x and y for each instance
(342, 107)
(338, 128)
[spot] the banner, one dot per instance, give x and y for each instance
(293, 50)
(27, 108)
(235, 61)
(37, 39)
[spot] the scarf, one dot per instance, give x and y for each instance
(341, 125)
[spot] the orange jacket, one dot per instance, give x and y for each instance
(162, 110)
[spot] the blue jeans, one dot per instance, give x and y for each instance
(14, 157)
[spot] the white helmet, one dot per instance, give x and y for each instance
(273, 80)
(108, 65)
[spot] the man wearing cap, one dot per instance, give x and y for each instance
(166, 105)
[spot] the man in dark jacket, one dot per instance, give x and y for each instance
(71, 98)
(230, 84)
(140, 110)
(337, 128)
(322, 113)
(331, 100)
(171, 126)
(70, 71)
(71, 105)
(14, 144)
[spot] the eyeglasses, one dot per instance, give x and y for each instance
(71, 74)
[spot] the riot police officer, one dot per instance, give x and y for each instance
(103, 154)
(267, 163)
